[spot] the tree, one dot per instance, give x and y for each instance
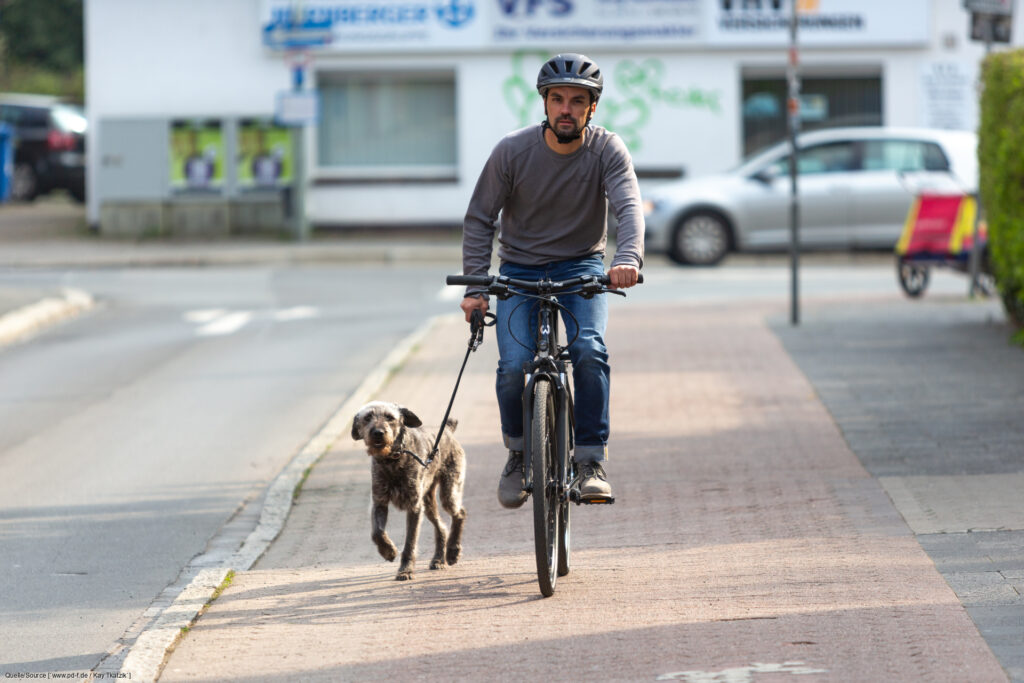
(41, 46)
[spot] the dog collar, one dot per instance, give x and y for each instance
(397, 449)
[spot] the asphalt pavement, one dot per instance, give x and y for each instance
(838, 500)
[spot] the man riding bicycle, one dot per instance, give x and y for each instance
(551, 183)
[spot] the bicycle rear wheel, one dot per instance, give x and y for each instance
(546, 501)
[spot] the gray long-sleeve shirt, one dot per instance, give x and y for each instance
(552, 206)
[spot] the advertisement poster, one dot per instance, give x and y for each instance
(197, 155)
(264, 158)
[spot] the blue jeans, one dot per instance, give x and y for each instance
(590, 370)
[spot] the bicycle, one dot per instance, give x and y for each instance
(549, 470)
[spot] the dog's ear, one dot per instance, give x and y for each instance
(409, 418)
(356, 435)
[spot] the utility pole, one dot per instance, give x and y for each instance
(974, 258)
(793, 109)
(301, 223)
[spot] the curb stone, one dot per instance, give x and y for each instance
(27, 320)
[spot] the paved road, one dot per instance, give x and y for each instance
(131, 435)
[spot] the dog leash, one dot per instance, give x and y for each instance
(478, 321)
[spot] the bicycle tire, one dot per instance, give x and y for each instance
(566, 473)
(545, 487)
(913, 278)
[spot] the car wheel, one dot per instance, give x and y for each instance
(700, 239)
(24, 183)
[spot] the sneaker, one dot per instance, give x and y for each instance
(510, 486)
(593, 481)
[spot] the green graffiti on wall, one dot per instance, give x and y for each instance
(639, 89)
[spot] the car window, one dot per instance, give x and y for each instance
(903, 155)
(832, 157)
(26, 117)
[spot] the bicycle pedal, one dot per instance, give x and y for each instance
(597, 500)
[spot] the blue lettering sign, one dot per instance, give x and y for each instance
(529, 8)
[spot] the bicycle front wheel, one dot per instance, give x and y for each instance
(545, 487)
(566, 472)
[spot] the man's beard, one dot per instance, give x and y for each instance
(566, 138)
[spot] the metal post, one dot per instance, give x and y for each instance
(974, 258)
(793, 108)
(300, 223)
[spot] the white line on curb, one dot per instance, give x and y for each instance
(27, 320)
(147, 656)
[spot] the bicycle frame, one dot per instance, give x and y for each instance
(548, 367)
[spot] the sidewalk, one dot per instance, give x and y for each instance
(747, 538)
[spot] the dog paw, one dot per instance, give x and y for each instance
(405, 575)
(438, 563)
(388, 552)
(454, 553)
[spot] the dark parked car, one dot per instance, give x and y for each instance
(49, 145)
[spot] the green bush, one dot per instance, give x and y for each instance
(22, 78)
(1001, 169)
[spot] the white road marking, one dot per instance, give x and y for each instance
(205, 315)
(743, 674)
(225, 324)
(297, 313)
(215, 322)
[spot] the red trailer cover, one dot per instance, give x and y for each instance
(940, 225)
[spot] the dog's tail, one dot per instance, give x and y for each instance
(452, 423)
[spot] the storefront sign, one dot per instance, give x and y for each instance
(583, 23)
(822, 23)
(355, 25)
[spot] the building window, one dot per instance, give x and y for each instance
(825, 103)
(387, 126)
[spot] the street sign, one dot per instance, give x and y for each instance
(991, 28)
(297, 108)
(989, 6)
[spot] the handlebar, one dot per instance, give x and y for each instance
(499, 284)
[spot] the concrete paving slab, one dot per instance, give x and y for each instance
(958, 503)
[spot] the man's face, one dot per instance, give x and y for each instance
(568, 108)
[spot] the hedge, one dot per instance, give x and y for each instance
(1001, 173)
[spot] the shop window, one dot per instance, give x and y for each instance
(384, 126)
(825, 103)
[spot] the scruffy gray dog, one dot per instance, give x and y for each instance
(392, 435)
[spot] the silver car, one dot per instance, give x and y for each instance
(855, 186)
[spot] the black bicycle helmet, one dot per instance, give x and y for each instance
(571, 69)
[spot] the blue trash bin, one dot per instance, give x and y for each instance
(6, 160)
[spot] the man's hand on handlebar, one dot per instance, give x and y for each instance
(623, 277)
(474, 303)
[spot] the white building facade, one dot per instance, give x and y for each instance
(411, 95)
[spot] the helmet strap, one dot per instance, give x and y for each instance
(562, 139)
